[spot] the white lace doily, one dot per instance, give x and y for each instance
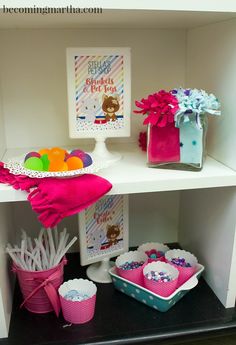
(16, 167)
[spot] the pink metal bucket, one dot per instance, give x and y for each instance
(39, 288)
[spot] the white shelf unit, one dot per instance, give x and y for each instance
(190, 45)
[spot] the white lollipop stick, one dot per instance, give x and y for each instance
(30, 245)
(61, 244)
(62, 248)
(44, 255)
(65, 250)
(37, 259)
(46, 245)
(40, 236)
(56, 237)
(52, 247)
(14, 258)
(24, 237)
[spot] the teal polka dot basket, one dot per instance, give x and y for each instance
(148, 297)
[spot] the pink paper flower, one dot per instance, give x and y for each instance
(143, 140)
(161, 108)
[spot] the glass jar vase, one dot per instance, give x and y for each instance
(182, 148)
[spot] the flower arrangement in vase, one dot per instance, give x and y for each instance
(177, 127)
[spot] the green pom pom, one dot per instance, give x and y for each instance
(45, 160)
(34, 163)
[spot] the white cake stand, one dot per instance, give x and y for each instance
(99, 271)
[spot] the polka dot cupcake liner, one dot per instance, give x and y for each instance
(78, 311)
(162, 288)
(135, 275)
(184, 272)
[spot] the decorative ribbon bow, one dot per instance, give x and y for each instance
(47, 285)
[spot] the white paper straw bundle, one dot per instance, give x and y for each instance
(43, 253)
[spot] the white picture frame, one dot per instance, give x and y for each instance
(109, 214)
(99, 92)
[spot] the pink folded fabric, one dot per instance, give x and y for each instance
(21, 182)
(54, 199)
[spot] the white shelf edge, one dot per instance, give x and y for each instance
(131, 175)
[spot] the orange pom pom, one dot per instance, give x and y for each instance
(74, 163)
(56, 153)
(56, 165)
(43, 152)
(65, 167)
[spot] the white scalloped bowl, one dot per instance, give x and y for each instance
(16, 167)
(180, 253)
(82, 285)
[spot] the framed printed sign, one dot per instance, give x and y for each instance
(103, 229)
(98, 82)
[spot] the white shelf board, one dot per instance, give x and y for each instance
(131, 175)
(162, 17)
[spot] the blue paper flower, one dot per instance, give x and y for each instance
(193, 103)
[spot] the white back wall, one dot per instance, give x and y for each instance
(2, 124)
(211, 56)
(152, 217)
(2, 130)
(33, 72)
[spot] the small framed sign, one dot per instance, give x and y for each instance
(98, 81)
(103, 229)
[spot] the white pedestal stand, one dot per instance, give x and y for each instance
(98, 272)
(101, 152)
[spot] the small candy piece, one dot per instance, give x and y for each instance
(34, 163)
(131, 265)
(160, 277)
(87, 160)
(76, 296)
(32, 154)
(180, 262)
(56, 153)
(74, 163)
(46, 162)
(56, 165)
(44, 152)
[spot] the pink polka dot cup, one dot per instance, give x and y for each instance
(81, 309)
(185, 262)
(160, 269)
(125, 261)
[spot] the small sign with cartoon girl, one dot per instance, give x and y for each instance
(98, 91)
(104, 229)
